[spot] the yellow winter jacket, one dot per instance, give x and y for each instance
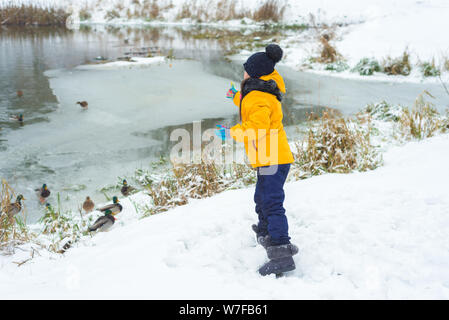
(261, 127)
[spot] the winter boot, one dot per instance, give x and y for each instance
(280, 259)
(264, 241)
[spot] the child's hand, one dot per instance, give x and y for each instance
(223, 132)
(231, 92)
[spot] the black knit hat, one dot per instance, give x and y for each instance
(262, 63)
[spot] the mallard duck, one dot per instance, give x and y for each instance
(103, 223)
(43, 193)
(17, 117)
(126, 189)
(14, 208)
(88, 205)
(83, 104)
(115, 207)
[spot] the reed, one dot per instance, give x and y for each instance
(23, 15)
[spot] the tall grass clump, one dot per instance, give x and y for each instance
(422, 120)
(13, 230)
(397, 66)
(328, 53)
(21, 15)
(335, 145)
(112, 14)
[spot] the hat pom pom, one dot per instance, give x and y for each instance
(274, 52)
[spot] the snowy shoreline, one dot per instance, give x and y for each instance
(373, 235)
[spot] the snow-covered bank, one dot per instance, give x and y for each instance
(133, 62)
(379, 234)
(389, 31)
(369, 29)
(295, 12)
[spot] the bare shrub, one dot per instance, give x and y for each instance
(112, 14)
(422, 121)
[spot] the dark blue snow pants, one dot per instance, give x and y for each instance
(269, 198)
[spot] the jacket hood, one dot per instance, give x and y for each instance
(277, 78)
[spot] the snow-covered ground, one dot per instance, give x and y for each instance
(380, 234)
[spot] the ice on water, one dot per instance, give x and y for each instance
(79, 151)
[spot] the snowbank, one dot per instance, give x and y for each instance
(380, 234)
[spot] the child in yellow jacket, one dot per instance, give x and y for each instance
(262, 132)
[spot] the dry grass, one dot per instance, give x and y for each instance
(335, 145)
(32, 15)
(398, 66)
(328, 52)
(112, 14)
(225, 10)
(270, 10)
(195, 181)
(423, 120)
